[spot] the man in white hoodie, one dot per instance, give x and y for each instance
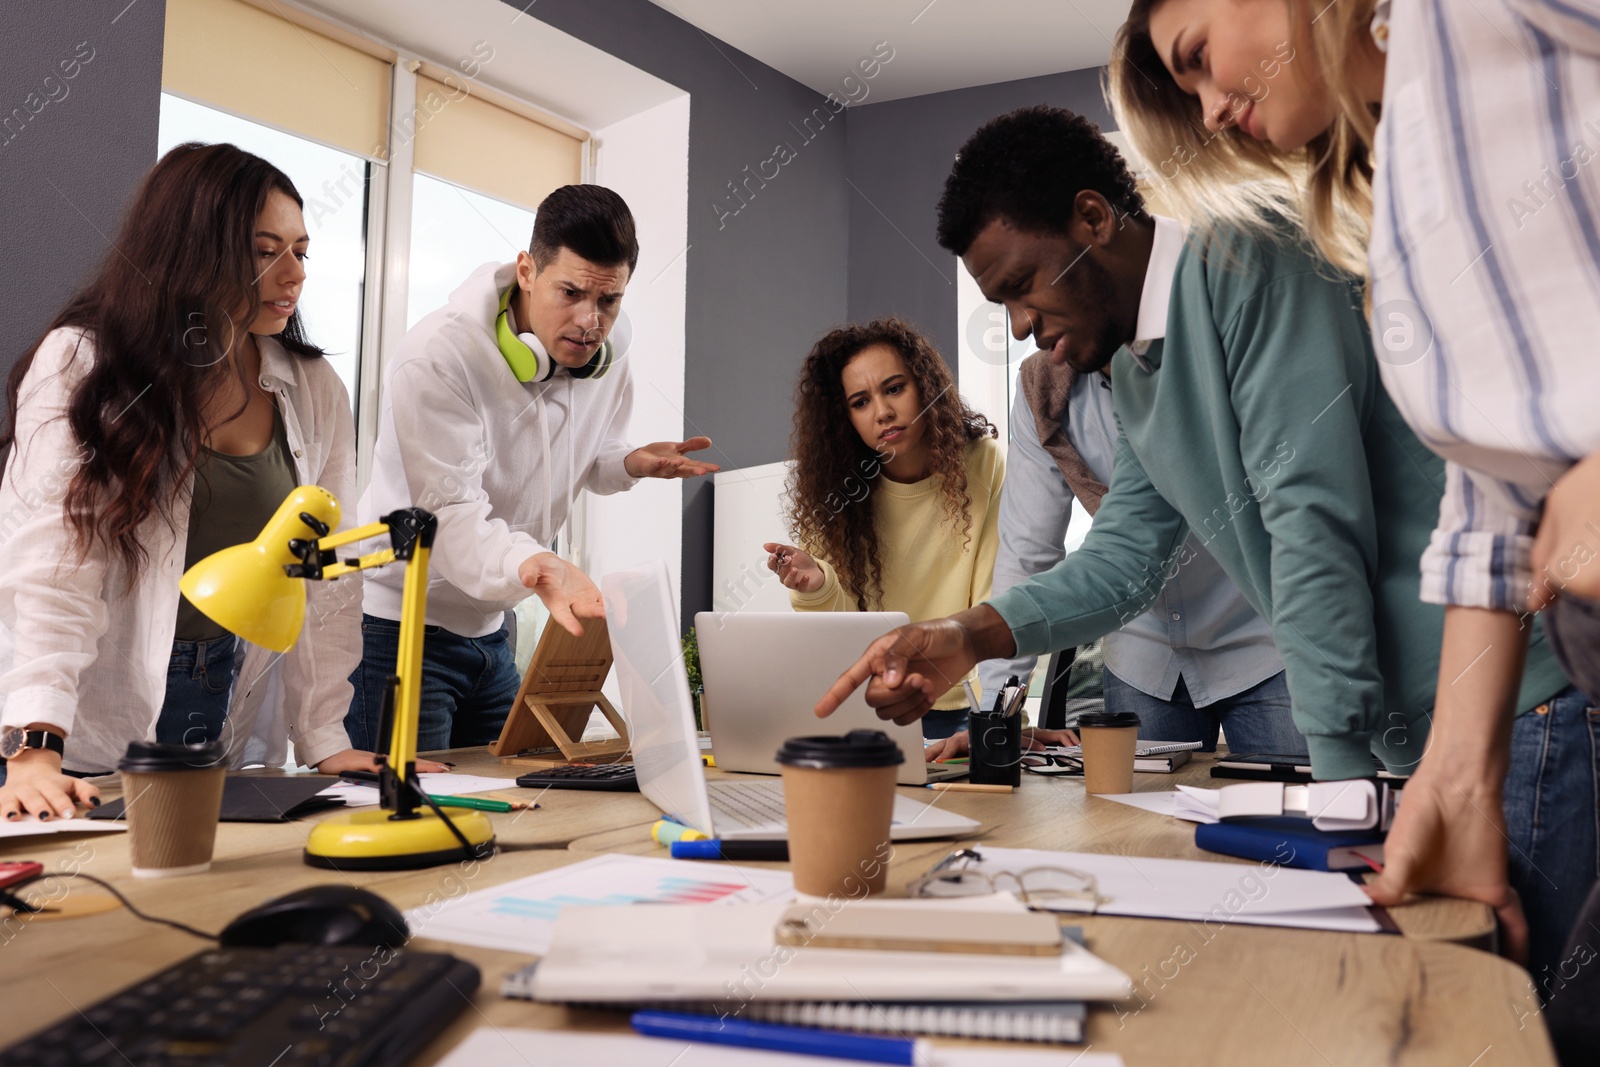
(497, 409)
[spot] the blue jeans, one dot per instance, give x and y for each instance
(468, 684)
(199, 682)
(1552, 808)
(1257, 720)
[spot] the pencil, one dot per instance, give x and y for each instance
(968, 787)
(517, 803)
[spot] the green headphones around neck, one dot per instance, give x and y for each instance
(526, 354)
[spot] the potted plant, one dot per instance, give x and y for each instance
(691, 667)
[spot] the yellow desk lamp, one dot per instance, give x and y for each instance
(256, 591)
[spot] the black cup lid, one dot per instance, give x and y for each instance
(1108, 718)
(151, 756)
(858, 748)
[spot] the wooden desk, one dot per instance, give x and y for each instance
(1237, 994)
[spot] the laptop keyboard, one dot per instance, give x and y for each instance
(749, 805)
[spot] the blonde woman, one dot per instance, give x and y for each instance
(1480, 239)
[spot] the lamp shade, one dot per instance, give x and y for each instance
(245, 590)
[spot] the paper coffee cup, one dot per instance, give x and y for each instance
(838, 797)
(1108, 739)
(174, 798)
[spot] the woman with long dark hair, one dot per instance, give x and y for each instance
(895, 493)
(166, 413)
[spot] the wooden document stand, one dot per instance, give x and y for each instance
(558, 694)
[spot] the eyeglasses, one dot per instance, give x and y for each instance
(1053, 764)
(1041, 888)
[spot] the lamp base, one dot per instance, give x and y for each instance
(372, 841)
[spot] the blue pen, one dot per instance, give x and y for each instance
(711, 1030)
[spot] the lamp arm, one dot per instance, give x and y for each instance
(410, 533)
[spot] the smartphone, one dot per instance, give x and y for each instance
(19, 873)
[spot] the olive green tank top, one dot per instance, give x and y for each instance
(234, 496)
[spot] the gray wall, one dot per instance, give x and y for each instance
(900, 153)
(767, 272)
(763, 283)
(66, 170)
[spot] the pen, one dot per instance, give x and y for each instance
(968, 787)
(1017, 699)
(712, 849)
(738, 1032)
(972, 695)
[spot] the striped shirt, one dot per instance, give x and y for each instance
(1485, 264)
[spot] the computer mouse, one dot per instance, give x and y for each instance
(320, 915)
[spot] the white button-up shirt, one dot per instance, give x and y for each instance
(1485, 265)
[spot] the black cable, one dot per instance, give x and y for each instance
(126, 903)
(471, 851)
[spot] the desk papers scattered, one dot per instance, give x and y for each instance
(357, 795)
(520, 916)
(506, 1047)
(1258, 894)
(32, 826)
(1333, 807)
(1185, 802)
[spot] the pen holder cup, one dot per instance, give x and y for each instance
(996, 742)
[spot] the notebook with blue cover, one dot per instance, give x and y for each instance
(1292, 842)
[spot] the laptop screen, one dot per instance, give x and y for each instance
(648, 653)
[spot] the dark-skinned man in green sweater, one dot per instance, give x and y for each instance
(1258, 421)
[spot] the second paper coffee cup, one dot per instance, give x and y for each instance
(1109, 739)
(174, 798)
(838, 794)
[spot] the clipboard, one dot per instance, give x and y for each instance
(559, 692)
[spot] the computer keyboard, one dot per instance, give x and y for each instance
(289, 1006)
(617, 777)
(749, 804)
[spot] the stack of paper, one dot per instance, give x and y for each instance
(656, 953)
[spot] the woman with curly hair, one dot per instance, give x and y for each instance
(895, 492)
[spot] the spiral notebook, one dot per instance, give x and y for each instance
(1045, 1021)
(1048, 1021)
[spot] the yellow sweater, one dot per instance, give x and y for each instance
(929, 569)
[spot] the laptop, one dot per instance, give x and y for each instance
(648, 658)
(765, 670)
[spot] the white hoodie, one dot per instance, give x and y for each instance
(498, 461)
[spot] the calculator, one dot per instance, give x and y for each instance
(617, 777)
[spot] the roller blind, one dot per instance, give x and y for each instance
(242, 59)
(482, 146)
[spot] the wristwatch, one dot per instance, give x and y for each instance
(13, 739)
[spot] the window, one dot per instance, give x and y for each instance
(989, 365)
(454, 232)
(334, 187)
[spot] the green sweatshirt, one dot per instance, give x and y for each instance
(1260, 423)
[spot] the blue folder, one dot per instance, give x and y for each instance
(1292, 842)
